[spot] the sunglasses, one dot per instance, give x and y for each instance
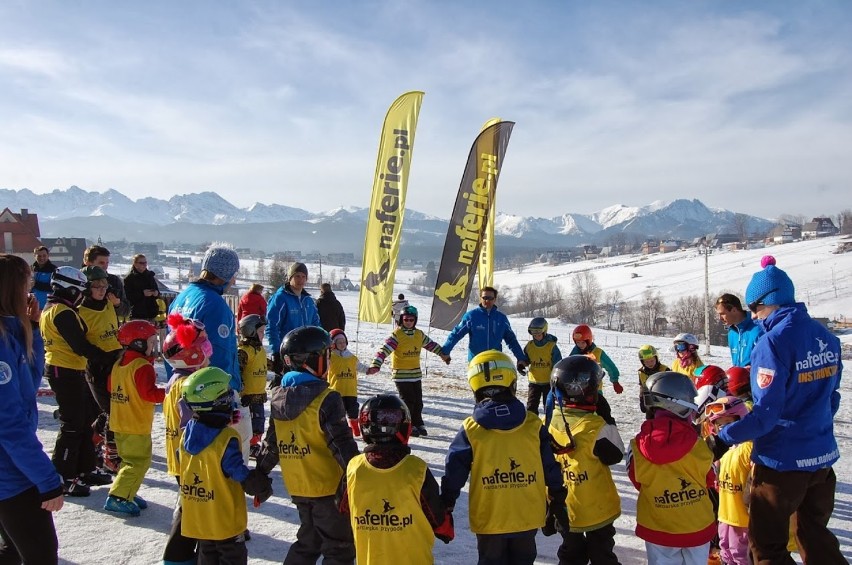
(488, 297)
(759, 302)
(97, 286)
(408, 319)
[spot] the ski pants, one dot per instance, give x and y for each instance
(135, 452)
(775, 496)
(595, 546)
(350, 404)
(733, 544)
(179, 548)
(411, 392)
(507, 549)
(74, 452)
(224, 552)
(662, 555)
(324, 531)
(27, 531)
(536, 394)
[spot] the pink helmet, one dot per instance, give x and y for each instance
(186, 346)
(726, 406)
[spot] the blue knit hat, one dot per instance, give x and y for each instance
(771, 285)
(222, 262)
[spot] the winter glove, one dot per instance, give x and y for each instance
(258, 485)
(277, 364)
(446, 531)
(560, 516)
(616, 386)
(556, 519)
(717, 446)
(372, 370)
(522, 368)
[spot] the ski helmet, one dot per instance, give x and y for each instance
(333, 334)
(408, 311)
(583, 333)
(491, 373)
(537, 325)
(689, 341)
(68, 283)
(136, 335)
(576, 379)
(250, 324)
(307, 348)
(208, 390)
(671, 391)
(647, 352)
(384, 418)
(739, 381)
(186, 346)
(726, 406)
(710, 375)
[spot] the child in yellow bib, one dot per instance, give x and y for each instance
(133, 394)
(389, 483)
(507, 454)
(213, 476)
(186, 349)
(404, 346)
(593, 501)
(343, 369)
(543, 354)
(253, 368)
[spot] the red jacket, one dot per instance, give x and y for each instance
(251, 303)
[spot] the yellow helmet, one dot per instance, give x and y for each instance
(491, 372)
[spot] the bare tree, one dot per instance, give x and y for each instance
(261, 272)
(585, 295)
(611, 304)
(844, 222)
(651, 307)
(687, 314)
(798, 219)
(277, 273)
(740, 225)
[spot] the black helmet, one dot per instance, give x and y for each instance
(385, 419)
(407, 311)
(249, 324)
(576, 379)
(307, 347)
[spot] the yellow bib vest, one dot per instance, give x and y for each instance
(214, 506)
(388, 522)
(507, 473)
(171, 417)
(57, 352)
(343, 374)
(673, 498)
(593, 500)
(407, 352)
(734, 470)
(307, 464)
(541, 357)
(102, 327)
(128, 412)
(254, 373)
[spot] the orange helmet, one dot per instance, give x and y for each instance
(583, 333)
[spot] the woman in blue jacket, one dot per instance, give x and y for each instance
(31, 488)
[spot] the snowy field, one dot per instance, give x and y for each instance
(87, 534)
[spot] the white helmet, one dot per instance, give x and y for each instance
(68, 283)
(686, 338)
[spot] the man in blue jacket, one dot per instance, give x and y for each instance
(289, 308)
(795, 377)
(743, 333)
(486, 328)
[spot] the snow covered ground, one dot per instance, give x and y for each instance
(87, 534)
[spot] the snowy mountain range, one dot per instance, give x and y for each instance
(191, 218)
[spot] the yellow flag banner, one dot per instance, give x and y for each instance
(387, 208)
(486, 253)
(468, 225)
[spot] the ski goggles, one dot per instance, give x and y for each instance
(759, 302)
(722, 406)
(681, 346)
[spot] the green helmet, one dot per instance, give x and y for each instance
(647, 352)
(94, 273)
(208, 390)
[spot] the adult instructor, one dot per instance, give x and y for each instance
(289, 308)
(743, 333)
(795, 376)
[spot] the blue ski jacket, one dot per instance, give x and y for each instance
(795, 377)
(23, 462)
(197, 436)
(486, 329)
(203, 301)
(741, 340)
(286, 312)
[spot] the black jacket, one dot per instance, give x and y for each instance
(135, 283)
(330, 311)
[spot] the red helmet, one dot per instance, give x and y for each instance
(710, 375)
(583, 333)
(186, 346)
(336, 332)
(739, 381)
(134, 335)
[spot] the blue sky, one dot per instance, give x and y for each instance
(744, 105)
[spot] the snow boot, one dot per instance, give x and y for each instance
(140, 502)
(356, 429)
(96, 478)
(73, 487)
(121, 506)
(112, 461)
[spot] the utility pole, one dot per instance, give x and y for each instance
(707, 298)
(180, 283)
